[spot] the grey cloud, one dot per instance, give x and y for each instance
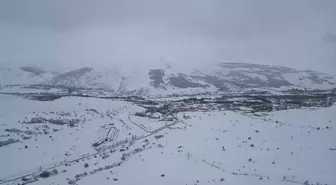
(330, 38)
(193, 32)
(214, 17)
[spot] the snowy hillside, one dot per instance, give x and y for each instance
(166, 80)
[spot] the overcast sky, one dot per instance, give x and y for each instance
(294, 33)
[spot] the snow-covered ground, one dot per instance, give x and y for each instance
(215, 147)
(50, 142)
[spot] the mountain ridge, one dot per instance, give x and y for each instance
(224, 77)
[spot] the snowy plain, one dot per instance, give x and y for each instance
(213, 147)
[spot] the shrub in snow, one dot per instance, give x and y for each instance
(124, 156)
(140, 114)
(158, 136)
(45, 174)
(105, 156)
(137, 150)
(54, 172)
(86, 165)
(25, 179)
(8, 142)
(26, 137)
(36, 120)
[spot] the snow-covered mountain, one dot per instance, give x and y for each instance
(224, 77)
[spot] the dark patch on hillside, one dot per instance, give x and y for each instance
(156, 75)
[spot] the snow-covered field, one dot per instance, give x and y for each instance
(214, 147)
